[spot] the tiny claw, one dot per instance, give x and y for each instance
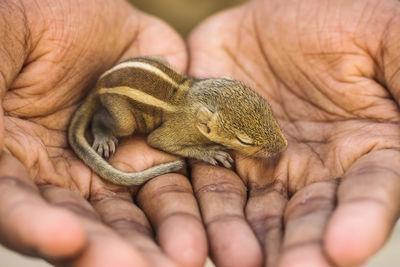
(115, 140)
(104, 145)
(106, 152)
(95, 145)
(226, 164)
(100, 151)
(225, 159)
(212, 161)
(111, 146)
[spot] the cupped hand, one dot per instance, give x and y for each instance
(51, 204)
(329, 69)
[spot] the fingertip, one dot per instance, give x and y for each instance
(108, 250)
(36, 228)
(353, 236)
(304, 257)
(234, 244)
(173, 46)
(184, 240)
(58, 232)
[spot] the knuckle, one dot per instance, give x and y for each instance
(223, 218)
(222, 188)
(263, 225)
(78, 209)
(317, 242)
(124, 223)
(277, 186)
(182, 214)
(10, 181)
(170, 189)
(310, 205)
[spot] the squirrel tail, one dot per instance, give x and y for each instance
(76, 137)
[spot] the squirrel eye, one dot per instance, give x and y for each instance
(246, 143)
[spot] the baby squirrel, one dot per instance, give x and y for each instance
(192, 118)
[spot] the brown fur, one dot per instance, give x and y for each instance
(191, 118)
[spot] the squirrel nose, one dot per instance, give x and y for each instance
(279, 144)
(275, 148)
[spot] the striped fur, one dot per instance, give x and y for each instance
(153, 86)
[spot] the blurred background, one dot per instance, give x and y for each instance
(184, 15)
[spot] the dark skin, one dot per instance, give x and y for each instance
(334, 91)
(330, 71)
(48, 65)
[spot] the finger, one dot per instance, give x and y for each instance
(168, 202)
(264, 211)
(171, 207)
(118, 212)
(27, 223)
(203, 51)
(222, 198)
(306, 216)
(368, 207)
(266, 202)
(151, 31)
(103, 244)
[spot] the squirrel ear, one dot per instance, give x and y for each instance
(204, 116)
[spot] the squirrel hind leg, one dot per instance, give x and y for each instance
(104, 139)
(104, 144)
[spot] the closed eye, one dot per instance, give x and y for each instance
(246, 143)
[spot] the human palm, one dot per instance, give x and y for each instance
(329, 71)
(51, 204)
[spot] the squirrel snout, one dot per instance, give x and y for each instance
(276, 146)
(280, 144)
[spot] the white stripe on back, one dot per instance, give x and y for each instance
(139, 96)
(143, 66)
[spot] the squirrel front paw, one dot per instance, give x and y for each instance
(213, 157)
(105, 145)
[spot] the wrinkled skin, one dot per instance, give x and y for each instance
(51, 55)
(329, 70)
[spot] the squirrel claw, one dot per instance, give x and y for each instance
(225, 160)
(219, 156)
(105, 146)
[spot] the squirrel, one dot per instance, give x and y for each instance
(188, 117)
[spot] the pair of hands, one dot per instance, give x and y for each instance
(330, 72)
